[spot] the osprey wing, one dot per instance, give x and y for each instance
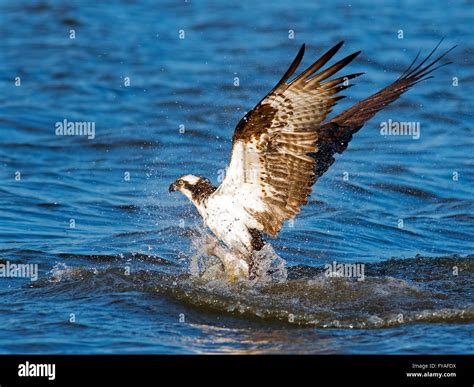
(282, 146)
(345, 124)
(272, 166)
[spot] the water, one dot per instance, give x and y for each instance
(124, 274)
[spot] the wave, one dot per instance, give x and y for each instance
(393, 292)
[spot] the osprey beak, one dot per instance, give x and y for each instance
(172, 187)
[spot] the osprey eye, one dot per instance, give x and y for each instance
(180, 183)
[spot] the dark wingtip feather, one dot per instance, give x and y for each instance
(318, 64)
(409, 67)
(294, 65)
(334, 68)
(421, 71)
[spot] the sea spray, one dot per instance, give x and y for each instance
(269, 266)
(211, 260)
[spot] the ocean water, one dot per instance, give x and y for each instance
(119, 257)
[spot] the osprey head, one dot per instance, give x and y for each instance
(193, 187)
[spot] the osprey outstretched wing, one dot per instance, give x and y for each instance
(282, 146)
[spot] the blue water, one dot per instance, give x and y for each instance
(120, 280)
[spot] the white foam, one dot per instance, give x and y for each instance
(211, 260)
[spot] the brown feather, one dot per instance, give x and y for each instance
(285, 142)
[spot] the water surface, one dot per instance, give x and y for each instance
(123, 272)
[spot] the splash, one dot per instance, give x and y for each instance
(211, 260)
(61, 272)
(394, 292)
(270, 267)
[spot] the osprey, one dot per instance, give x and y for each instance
(280, 148)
